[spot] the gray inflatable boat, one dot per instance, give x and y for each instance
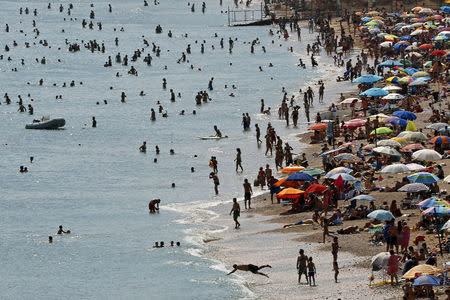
(49, 124)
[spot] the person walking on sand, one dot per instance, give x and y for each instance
(393, 266)
(247, 193)
(334, 252)
(252, 268)
(238, 160)
(302, 260)
(311, 271)
(326, 232)
(236, 211)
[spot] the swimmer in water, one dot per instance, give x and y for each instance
(143, 147)
(153, 205)
(61, 231)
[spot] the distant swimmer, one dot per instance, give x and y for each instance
(61, 231)
(153, 205)
(218, 133)
(143, 147)
(252, 268)
(94, 122)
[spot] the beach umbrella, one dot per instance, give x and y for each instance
(437, 210)
(412, 136)
(313, 171)
(344, 176)
(381, 130)
(376, 228)
(421, 74)
(290, 193)
(447, 179)
(427, 280)
(300, 176)
(392, 88)
(355, 123)
(330, 152)
(404, 114)
(393, 96)
(412, 147)
(283, 182)
(445, 9)
(338, 170)
(417, 9)
(411, 71)
(418, 82)
(292, 169)
(426, 154)
(411, 126)
(423, 269)
(316, 188)
(406, 62)
(414, 188)
(373, 13)
(319, 126)
(386, 44)
(381, 215)
(412, 48)
(446, 226)
(426, 10)
(346, 157)
(438, 53)
(371, 23)
(428, 64)
(406, 80)
(423, 177)
(368, 79)
(419, 31)
(350, 100)
(366, 19)
(440, 38)
(395, 168)
(386, 151)
(445, 130)
(380, 116)
(380, 261)
(363, 198)
(441, 139)
(398, 139)
(415, 167)
(397, 121)
(374, 92)
(414, 54)
(390, 63)
(437, 126)
(393, 79)
(389, 143)
(432, 201)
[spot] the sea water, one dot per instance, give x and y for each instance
(95, 182)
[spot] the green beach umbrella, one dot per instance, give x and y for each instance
(381, 130)
(313, 171)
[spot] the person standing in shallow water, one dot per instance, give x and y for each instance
(238, 160)
(94, 122)
(247, 193)
(236, 211)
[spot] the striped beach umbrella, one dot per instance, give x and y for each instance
(432, 201)
(423, 177)
(437, 210)
(319, 126)
(412, 147)
(441, 139)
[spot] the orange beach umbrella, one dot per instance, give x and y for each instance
(290, 193)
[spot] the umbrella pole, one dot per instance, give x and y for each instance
(440, 244)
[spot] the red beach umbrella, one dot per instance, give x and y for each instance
(319, 126)
(438, 53)
(316, 188)
(425, 46)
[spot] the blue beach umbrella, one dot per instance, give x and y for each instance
(405, 38)
(404, 114)
(445, 9)
(423, 177)
(368, 79)
(441, 210)
(391, 63)
(366, 19)
(411, 71)
(374, 92)
(401, 122)
(429, 280)
(398, 46)
(300, 176)
(381, 214)
(364, 198)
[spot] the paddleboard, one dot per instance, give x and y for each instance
(212, 137)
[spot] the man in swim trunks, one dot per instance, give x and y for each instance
(252, 268)
(153, 205)
(236, 210)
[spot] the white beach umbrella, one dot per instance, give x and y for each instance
(350, 100)
(386, 151)
(446, 225)
(416, 54)
(413, 188)
(426, 154)
(393, 96)
(447, 179)
(437, 126)
(380, 261)
(389, 143)
(395, 168)
(385, 44)
(392, 88)
(418, 31)
(415, 167)
(413, 136)
(412, 48)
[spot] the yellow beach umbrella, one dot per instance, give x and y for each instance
(421, 270)
(400, 140)
(411, 126)
(290, 193)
